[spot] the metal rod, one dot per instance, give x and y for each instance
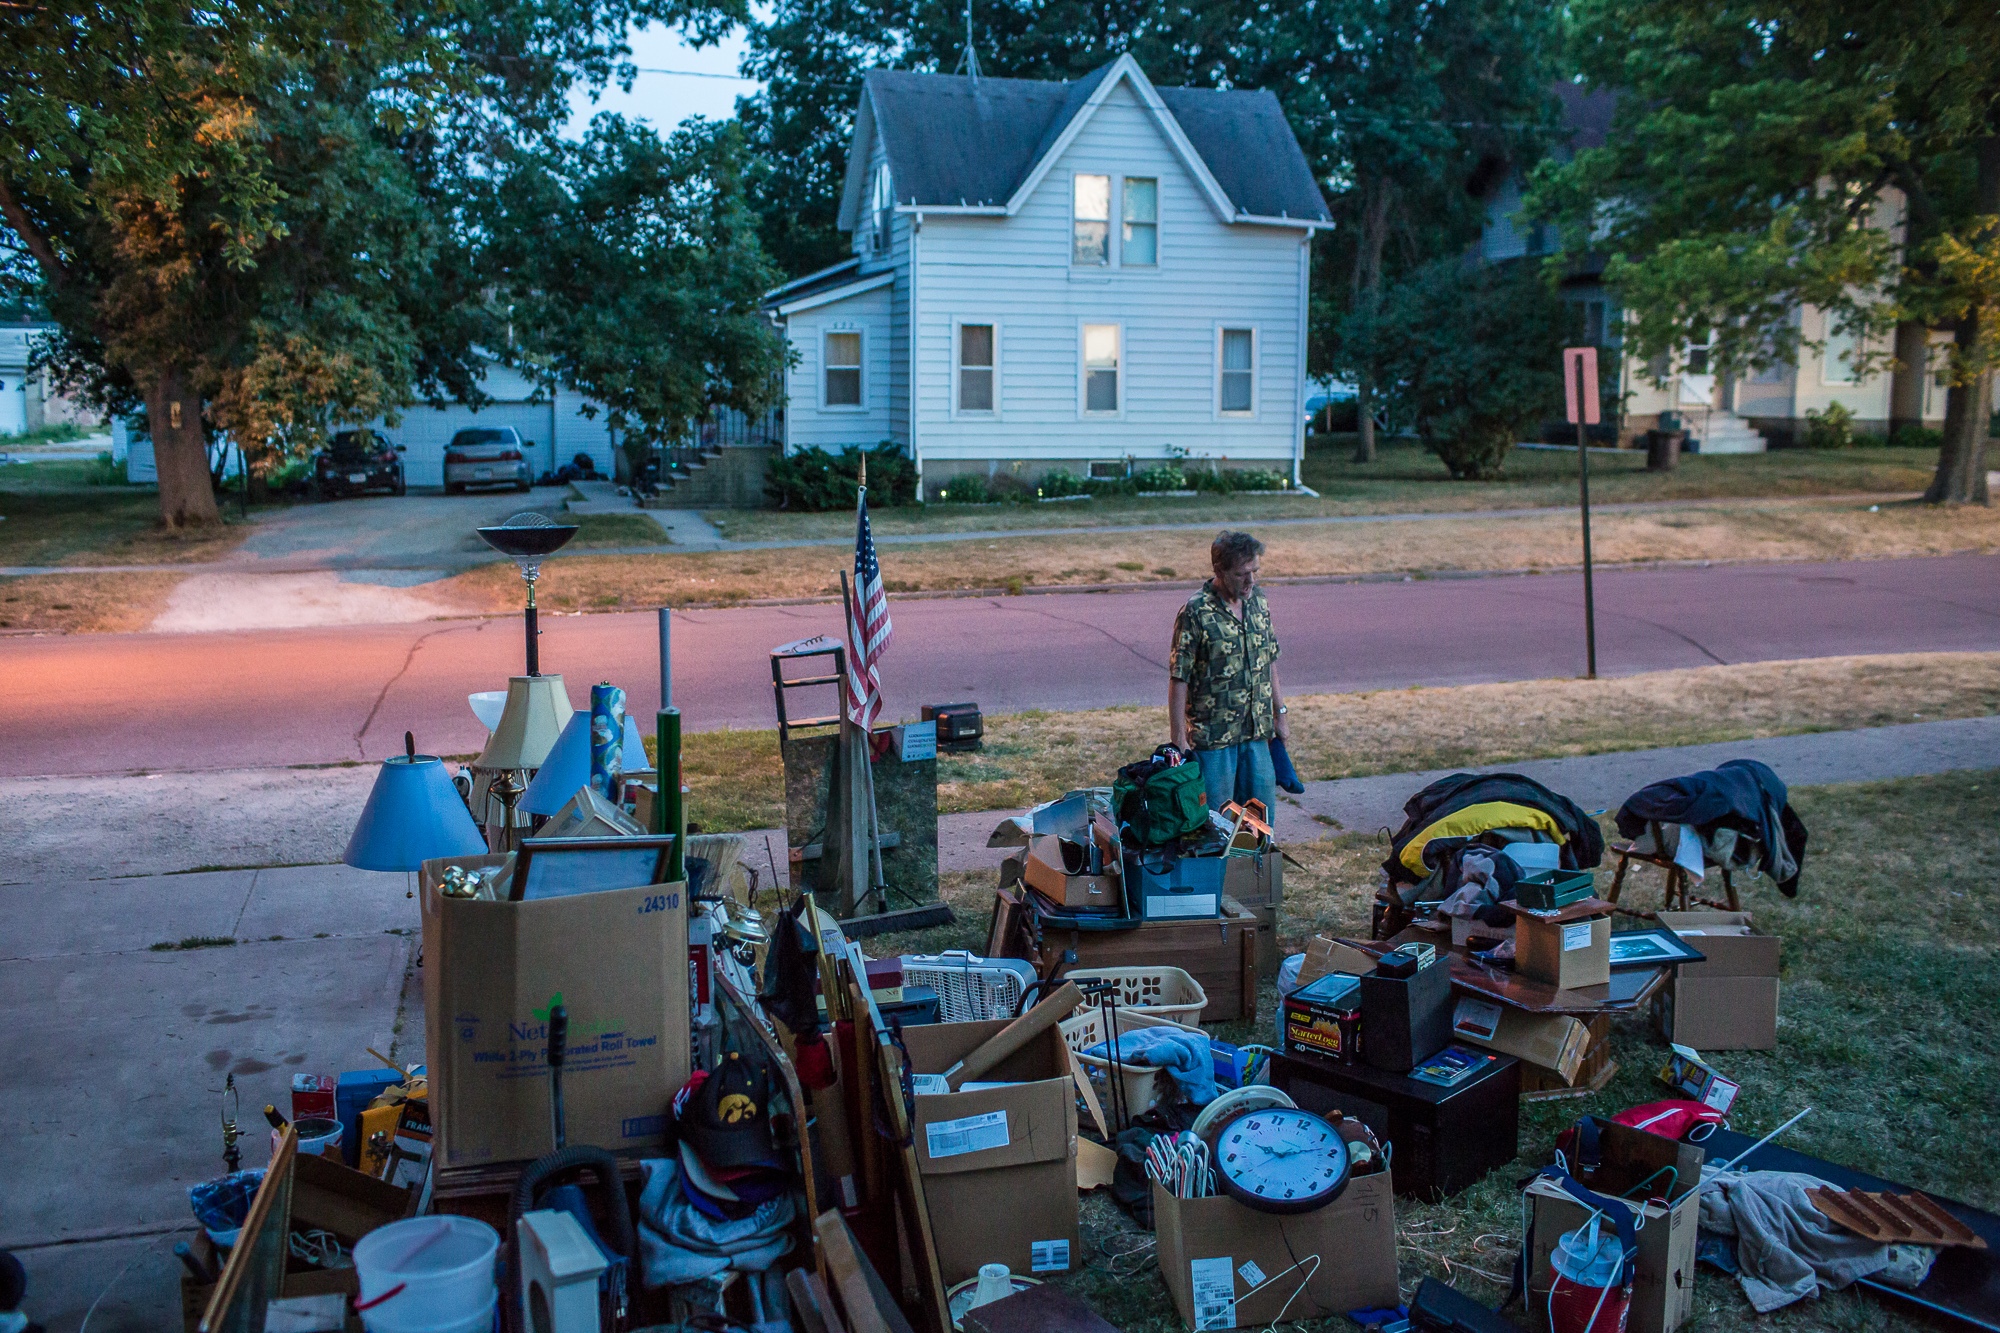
(666, 658)
(1583, 464)
(669, 816)
(534, 631)
(1761, 1142)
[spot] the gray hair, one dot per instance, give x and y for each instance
(1233, 550)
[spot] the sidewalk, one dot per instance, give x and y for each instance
(115, 1050)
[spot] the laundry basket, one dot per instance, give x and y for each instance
(1143, 1083)
(970, 989)
(1163, 992)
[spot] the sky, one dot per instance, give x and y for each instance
(664, 100)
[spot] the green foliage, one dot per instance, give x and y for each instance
(106, 471)
(1915, 437)
(1472, 356)
(1831, 429)
(814, 480)
(967, 488)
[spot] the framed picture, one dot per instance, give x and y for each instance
(1652, 948)
(560, 867)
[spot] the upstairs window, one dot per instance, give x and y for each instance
(1139, 246)
(1100, 368)
(1090, 224)
(843, 370)
(1237, 372)
(882, 200)
(975, 367)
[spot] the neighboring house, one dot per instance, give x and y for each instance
(27, 401)
(1073, 275)
(1727, 414)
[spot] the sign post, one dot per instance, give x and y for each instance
(1580, 400)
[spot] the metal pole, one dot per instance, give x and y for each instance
(667, 813)
(534, 632)
(666, 658)
(1583, 472)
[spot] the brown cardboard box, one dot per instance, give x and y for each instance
(1568, 948)
(1207, 1243)
(999, 1164)
(1730, 1002)
(1325, 954)
(1255, 881)
(1042, 870)
(617, 958)
(1552, 1043)
(1663, 1288)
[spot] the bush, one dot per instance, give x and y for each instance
(813, 480)
(1160, 477)
(967, 488)
(105, 471)
(1916, 437)
(1831, 429)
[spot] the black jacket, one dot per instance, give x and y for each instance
(1584, 845)
(1742, 794)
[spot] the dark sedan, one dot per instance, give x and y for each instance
(355, 462)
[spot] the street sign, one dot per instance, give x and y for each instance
(1580, 365)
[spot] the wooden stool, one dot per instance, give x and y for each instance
(1679, 881)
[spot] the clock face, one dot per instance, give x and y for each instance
(1281, 1161)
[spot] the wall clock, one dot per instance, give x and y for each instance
(1281, 1161)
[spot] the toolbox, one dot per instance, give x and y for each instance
(1547, 890)
(1181, 888)
(1445, 1138)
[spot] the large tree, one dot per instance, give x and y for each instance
(254, 219)
(1777, 153)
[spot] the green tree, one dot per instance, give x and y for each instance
(252, 219)
(1780, 153)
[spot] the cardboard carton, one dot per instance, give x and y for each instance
(1552, 1043)
(1686, 1074)
(618, 962)
(1325, 954)
(1663, 1286)
(1566, 948)
(1228, 1266)
(999, 1164)
(1043, 868)
(1730, 1002)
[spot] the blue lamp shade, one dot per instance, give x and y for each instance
(413, 814)
(568, 765)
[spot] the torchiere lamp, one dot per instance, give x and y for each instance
(527, 539)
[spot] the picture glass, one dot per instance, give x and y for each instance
(559, 874)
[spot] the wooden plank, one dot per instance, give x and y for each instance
(1895, 1219)
(1048, 1011)
(256, 1269)
(851, 1272)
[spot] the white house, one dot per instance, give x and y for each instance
(1072, 275)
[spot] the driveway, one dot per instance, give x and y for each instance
(416, 533)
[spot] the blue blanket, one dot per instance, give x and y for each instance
(1185, 1055)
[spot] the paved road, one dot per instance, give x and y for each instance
(119, 703)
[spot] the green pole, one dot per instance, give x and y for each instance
(667, 818)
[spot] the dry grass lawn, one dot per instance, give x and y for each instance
(1782, 531)
(84, 603)
(1899, 1089)
(737, 781)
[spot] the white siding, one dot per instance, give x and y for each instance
(808, 422)
(556, 428)
(1016, 272)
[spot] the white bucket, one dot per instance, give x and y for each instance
(428, 1275)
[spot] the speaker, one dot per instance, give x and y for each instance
(1405, 1020)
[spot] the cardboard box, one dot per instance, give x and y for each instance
(1466, 928)
(1324, 1018)
(1663, 1288)
(1552, 1043)
(1325, 954)
(1042, 868)
(1567, 948)
(999, 1164)
(1730, 1002)
(617, 959)
(1686, 1074)
(1215, 1253)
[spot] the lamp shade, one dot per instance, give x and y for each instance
(568, 764)
(537, 709)
(413, 814)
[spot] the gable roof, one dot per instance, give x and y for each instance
(956, 142)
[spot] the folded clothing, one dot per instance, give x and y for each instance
(1183, 1054)
(678, 1243)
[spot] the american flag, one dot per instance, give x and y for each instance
(868, 627)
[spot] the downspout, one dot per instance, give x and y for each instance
(916, 449)
(1304, 375)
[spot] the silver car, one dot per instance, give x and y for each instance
(487, 456)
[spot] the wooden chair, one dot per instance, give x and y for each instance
(1679, 882)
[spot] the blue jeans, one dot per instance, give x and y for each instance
(1238, 773)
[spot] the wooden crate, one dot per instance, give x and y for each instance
(1220, 953)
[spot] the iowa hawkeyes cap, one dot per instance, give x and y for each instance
(727, 1119)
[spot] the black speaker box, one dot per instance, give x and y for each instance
(1406, 1020)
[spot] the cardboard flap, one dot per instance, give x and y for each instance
(1734, 947)
(1016, 1125)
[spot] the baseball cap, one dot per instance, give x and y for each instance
(726, 1118)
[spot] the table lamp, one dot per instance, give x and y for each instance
(530, 723)
(414, 813)
(567, 766)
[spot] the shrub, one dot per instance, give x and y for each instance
(1916, 437)
(814, 480)
(967, 488)
(1831, 429)
(1060, 483)
(1160, 477)
(105, 471)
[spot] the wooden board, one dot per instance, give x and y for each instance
(255, 1273)
(1894, 1219)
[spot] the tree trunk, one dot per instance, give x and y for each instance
(180, 451)
(1906, 382)
(1961, 469)
(1368, 297)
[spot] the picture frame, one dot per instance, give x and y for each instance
(1658, 947)
(563, 867)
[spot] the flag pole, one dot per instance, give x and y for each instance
(874, 862)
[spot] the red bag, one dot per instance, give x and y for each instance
(1671, 1119)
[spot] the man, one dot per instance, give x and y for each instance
(1223, 700)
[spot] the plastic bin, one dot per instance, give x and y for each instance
(1162, 992)
(427, 1273)
(1143, 1084)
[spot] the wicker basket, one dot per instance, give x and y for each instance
(1143, 1083)
(1163, 992)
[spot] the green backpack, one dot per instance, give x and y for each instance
(1157, 801)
